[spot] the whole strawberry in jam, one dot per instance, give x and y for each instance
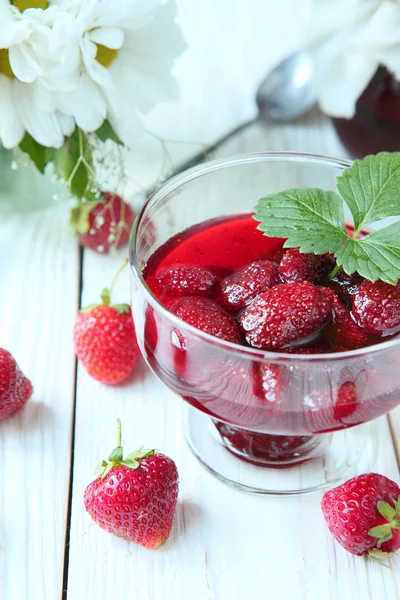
(103, 225)
(238, 289)
(184, 280)
(15, 388)
(105, 340)
(285, 314)
(208, 316)
(299, 266)
(376, 307)
(363, 514)
(135, 497)
(343, 331)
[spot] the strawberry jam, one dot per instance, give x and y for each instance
(265, 408)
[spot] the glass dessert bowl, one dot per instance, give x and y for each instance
(263, 421)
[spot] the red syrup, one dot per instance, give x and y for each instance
(269, 422)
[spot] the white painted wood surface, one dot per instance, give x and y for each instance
(225, 544)
(39, 297)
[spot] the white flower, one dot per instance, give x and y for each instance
(25, 103)
(348, 41)
(126, 51)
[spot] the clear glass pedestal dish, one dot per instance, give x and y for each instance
(298, 442)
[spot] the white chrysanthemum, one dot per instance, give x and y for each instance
(127, 49)
(25, 103)
(348, 42)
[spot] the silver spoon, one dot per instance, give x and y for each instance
(286, 94)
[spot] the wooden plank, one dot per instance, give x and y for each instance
(224, 544)
(40, 280)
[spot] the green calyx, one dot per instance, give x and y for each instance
(79, 219)
(384, 532)
(106, 296)
(116, 458)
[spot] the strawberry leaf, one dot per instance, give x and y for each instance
(121, 308)
(370, 188)
(386, 510)
(310, 219)
(375, 256)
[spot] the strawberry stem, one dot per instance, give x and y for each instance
(334, 272)
(106, 293)
(117, 274)
(119, 432)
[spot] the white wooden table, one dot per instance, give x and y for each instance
(224, 544)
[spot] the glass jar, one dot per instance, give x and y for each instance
(375, 126)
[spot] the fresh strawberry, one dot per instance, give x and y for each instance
(363, 514)
(345, 286)
(285, 314)
(346, 400)
(376, 307)
(103, 225)
(238, 289)
(343, 331)
(208, 316)
(135, 497)
(105, 340)
(15, 388)
(299, 266)
(182, 280)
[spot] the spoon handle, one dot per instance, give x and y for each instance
(203, 155)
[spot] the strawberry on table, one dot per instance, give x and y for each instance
(15, 388)
(105, 339)
(134, 497)
(363, 514)
(103, 225)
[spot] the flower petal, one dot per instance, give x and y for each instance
(111, 37)
(11, 128)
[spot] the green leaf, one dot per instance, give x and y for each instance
(375, 256)
(386, 510)
(142, 453)
(39, 154)
(116, 455)
(121, 308)
(370, 188)
(396, 524)
(310, 219)
(381, 531)
(107, 469)
(131, 463)
(73, 162)
(107, 132)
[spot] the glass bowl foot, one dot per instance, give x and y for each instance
(273, 464)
